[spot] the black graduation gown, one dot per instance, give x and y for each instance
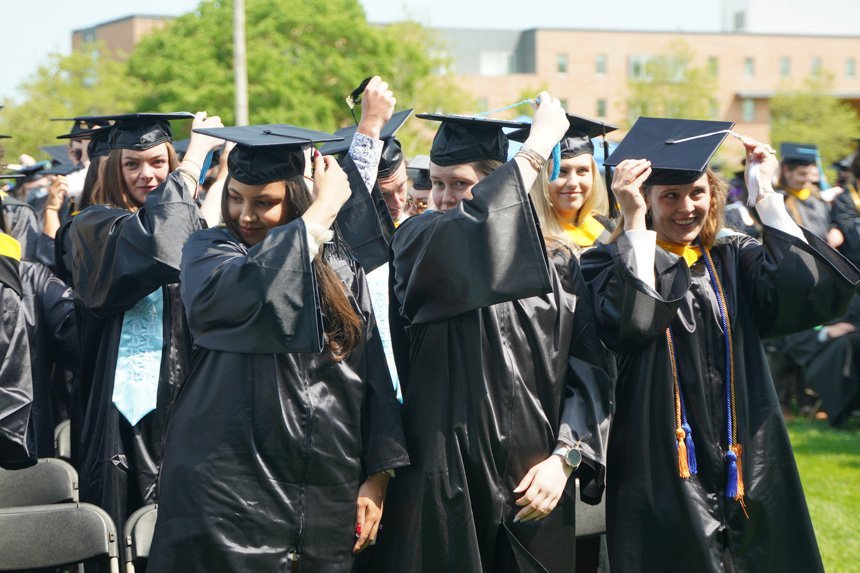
(498, 361)
(843, 213)
(270, 438)
(21, 223)
(657, 521)
(49, 309)
(16, 383)
(119, 258)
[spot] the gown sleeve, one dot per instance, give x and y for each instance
(16, 382)
(629, 313)
(793, 285)
(121, 256)
(485, 251)
(259, 300)
(58, 310)
(381, 427)
(364, 222)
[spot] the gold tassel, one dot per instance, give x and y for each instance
(683, 466)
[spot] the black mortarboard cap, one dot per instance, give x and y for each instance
(33, 172)
(464, 139)
(392, 152)
(139, 131)
(578, 138)
(59, 153)
(60, 169)
(181, 146)
(11, 175)
(98, 145)
(679, 149)
(798, 153)
(419, 170)
(81, 126)
(5, 136)
(267, 153)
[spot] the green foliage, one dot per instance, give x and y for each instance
(809, 113)
(85, 82)
(303, 60)
(669, 85)
(829, 464)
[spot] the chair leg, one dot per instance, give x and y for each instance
(114, 565)
(129, 567)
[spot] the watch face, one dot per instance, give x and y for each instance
(573, 457)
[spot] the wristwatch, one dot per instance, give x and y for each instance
(571, 456)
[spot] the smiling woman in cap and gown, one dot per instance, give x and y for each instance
(135, 347)
(499, 365)
(700, 471)
(287, 429)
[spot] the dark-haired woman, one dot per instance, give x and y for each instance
(283, 439)
(135, 348)
(700, 472)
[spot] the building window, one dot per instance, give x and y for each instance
(748, 110)
(815, 68)
(638, 67)
(601, 108)
(740, 21)
(561, 63)
(714, 65)
(600, 64)
(851, 68)
(495, 63)
(784, 67)
(749, 67)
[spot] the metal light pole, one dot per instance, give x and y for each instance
(240, 70)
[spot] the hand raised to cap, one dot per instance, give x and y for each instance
(549, 124)
(377, 106)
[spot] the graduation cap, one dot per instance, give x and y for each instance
(419, 170)
(60, 169)
(138, 131)
(392, 152)
(798, 153)
(99, 145)
(33, 172)
(266, 153)
(843, 164)
(81, 126)
(181, 146)
(578, 138)
(464, 139)
(679, 149)
(59, 153)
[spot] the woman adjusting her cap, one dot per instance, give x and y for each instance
(698, 448)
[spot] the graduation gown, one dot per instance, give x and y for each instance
(498, 360)
(49, 309)
(21, 223)
(270, 439)
(657, 521)
(813, 213)
(843, 212)
(16, 383)
(119, 258)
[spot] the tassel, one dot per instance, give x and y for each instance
(691, 449)
(732, 479)
(556, 162)
(739, 493)
(683, 468)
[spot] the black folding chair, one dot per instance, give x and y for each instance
(63, 440)
(139, 528)
(49, 481)
(56, 536)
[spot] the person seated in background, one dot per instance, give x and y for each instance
(419, 191)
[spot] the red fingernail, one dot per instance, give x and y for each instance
(358, 529)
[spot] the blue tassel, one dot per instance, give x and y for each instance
(556, 162)
(732, 481)
(691, 449)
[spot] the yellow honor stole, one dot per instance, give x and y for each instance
(585, 234)
(802, 194)
(691, 254)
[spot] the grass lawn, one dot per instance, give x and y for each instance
(829, 464)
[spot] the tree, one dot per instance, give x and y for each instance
(86, 82)
(302, 59)
(669, 85)
(809, 113)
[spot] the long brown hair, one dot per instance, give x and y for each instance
(716, 213)
(110, 188)
(343, 326)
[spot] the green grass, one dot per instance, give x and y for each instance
(829, 465)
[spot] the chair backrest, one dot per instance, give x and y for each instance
(139, 528)
(63, 440)
(49, 481)
(590, 519)
(56, 535)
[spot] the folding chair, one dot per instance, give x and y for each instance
(139, 528)
(63, 440)
(56, 536)
(49, 481)
(590, 519)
